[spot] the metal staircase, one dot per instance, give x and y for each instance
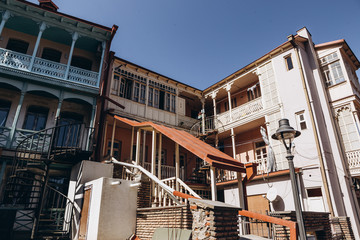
(42, 209)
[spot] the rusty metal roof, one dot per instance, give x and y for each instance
(194, 145)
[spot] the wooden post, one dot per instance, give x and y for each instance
(143, 149)
(112, 138)
(137, 156)
(159, 153)
(213, 183)
(153, 152)
(131, 144)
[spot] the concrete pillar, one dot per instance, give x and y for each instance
(75, 37)
(5, 17)
(103, 46)
(177, 165)
(41, 30)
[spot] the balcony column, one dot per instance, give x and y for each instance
(103, 46)
(213, 183)
(203, 115)
(213, 96)
(75, 37)
(17, 114)
(131, 144)
(41, 30)
(228, 88)
(92, 124)
(5, 17)
(177, 166)
(137, 154)
(112, 138)
(143, 149)
(153, 152)
(159, 156)
(58, 110)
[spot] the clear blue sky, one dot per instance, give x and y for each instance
(199, 42)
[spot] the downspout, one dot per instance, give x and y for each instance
(309, 105)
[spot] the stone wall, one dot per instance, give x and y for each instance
(317, 223)
(148, 219)
(342, 228)
(214, 220)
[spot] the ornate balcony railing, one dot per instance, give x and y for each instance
(241, 111)
(4, 136)
(48, 68)
(353, 158)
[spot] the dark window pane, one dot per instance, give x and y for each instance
(35, 118)
(17, 45)
(289, 63)
(81, 62)
(315, 192)
(51, 54)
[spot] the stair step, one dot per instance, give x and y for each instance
(252, 237)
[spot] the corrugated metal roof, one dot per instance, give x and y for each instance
(194, 145)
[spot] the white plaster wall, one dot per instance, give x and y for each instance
(112, 212)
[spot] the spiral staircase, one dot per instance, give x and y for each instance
(40, 208)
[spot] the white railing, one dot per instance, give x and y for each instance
(353, 158)
(166, 171)
(241, 111)
(163, 191)
(14, 59)
(183, 188)
(45, 67)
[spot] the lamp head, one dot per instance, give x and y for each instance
(285, 133)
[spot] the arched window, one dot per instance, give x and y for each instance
(51, 54)
(36, 117)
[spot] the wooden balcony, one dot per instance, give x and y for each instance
(353, 158)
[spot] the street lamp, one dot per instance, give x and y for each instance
(286, 134)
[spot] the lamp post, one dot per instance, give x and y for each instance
(286, 134)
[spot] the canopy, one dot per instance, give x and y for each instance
(194, 145)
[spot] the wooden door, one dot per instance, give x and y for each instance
(258, 204)
(85, 214)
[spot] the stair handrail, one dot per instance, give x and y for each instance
(184, 185)
(166, 188)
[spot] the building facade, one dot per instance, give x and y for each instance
(51, 67)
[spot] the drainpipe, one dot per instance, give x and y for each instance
(308, 102)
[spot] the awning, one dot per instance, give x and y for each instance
(199, 148)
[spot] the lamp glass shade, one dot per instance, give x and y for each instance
(285, 132)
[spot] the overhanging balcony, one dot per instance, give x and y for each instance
(353, 158)
(19, 61)
(242, 111)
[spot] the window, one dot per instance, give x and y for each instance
(289, 63)
(142, 93)
(173, 103)
(17, 45)
(116, 149)
(301, 120)
(314, 192)
(4, 111)
(233, 103)
(150, 100)
(333, 73)
(115, 85)
(81, 62)
(261, 155)
(167, 102)
(226, 106)
(35, 118)
(136, 92)
(51, 54)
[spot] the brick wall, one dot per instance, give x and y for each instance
(143, 200)
(342, 228)
(148, 219)
(315, 222)
(213, 220)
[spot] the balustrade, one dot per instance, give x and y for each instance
(48, 68)
(353, 158)
(4, 136)
(241, 111)
(166, 171)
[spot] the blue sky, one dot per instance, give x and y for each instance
(199, 42)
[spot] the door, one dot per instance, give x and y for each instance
(85, 214)
(68, 133)
(258, 204)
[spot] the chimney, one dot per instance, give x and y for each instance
(48, 5)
